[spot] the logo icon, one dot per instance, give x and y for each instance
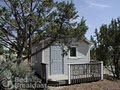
(5, 83)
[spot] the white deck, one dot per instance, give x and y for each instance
(57, 77)
(65, 77)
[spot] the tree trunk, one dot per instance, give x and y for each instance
(117, 70)
(19, 57)
(112, 70)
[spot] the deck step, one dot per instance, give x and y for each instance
(63, 82)
(58, 83)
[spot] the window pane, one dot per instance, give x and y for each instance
(73, 51)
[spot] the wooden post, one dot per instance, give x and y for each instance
(69, 76)
(101, 64)
(46, 73)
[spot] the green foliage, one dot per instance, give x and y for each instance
(10, 71)
(107, 46)
(26, 22)
(98, 53)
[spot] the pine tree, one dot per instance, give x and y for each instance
(108, 45)
(25, 22)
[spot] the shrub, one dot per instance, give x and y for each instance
(10, 70)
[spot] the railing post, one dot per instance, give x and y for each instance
(69, 75)
(101, 72)
(46, 73)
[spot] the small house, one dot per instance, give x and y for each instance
(57, 59)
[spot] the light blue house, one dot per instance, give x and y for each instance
(58, 58)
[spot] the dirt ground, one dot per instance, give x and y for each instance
(106, 84)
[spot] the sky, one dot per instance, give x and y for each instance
(96, 12)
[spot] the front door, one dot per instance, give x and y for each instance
(56, 60)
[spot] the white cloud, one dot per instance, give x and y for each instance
(91, 4)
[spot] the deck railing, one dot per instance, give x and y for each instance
(44, 72)
(79, 73)
(41, 72)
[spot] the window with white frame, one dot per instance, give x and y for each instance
(73, 52)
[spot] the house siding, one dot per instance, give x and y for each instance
(47, 58)
(36, 59)
(83, 55)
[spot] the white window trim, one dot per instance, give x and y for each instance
(76, 53)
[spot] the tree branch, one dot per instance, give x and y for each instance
(52, 41)
(8, 47)
(6, 31)
(9, 23)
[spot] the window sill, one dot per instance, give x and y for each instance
(73, 57)
(76, 57)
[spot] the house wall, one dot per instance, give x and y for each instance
(36, 59)
(83, 53)
(83, 56)
(46, 58)
(41, 57)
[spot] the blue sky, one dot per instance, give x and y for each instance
(96, 12)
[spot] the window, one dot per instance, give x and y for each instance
(73, 52)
